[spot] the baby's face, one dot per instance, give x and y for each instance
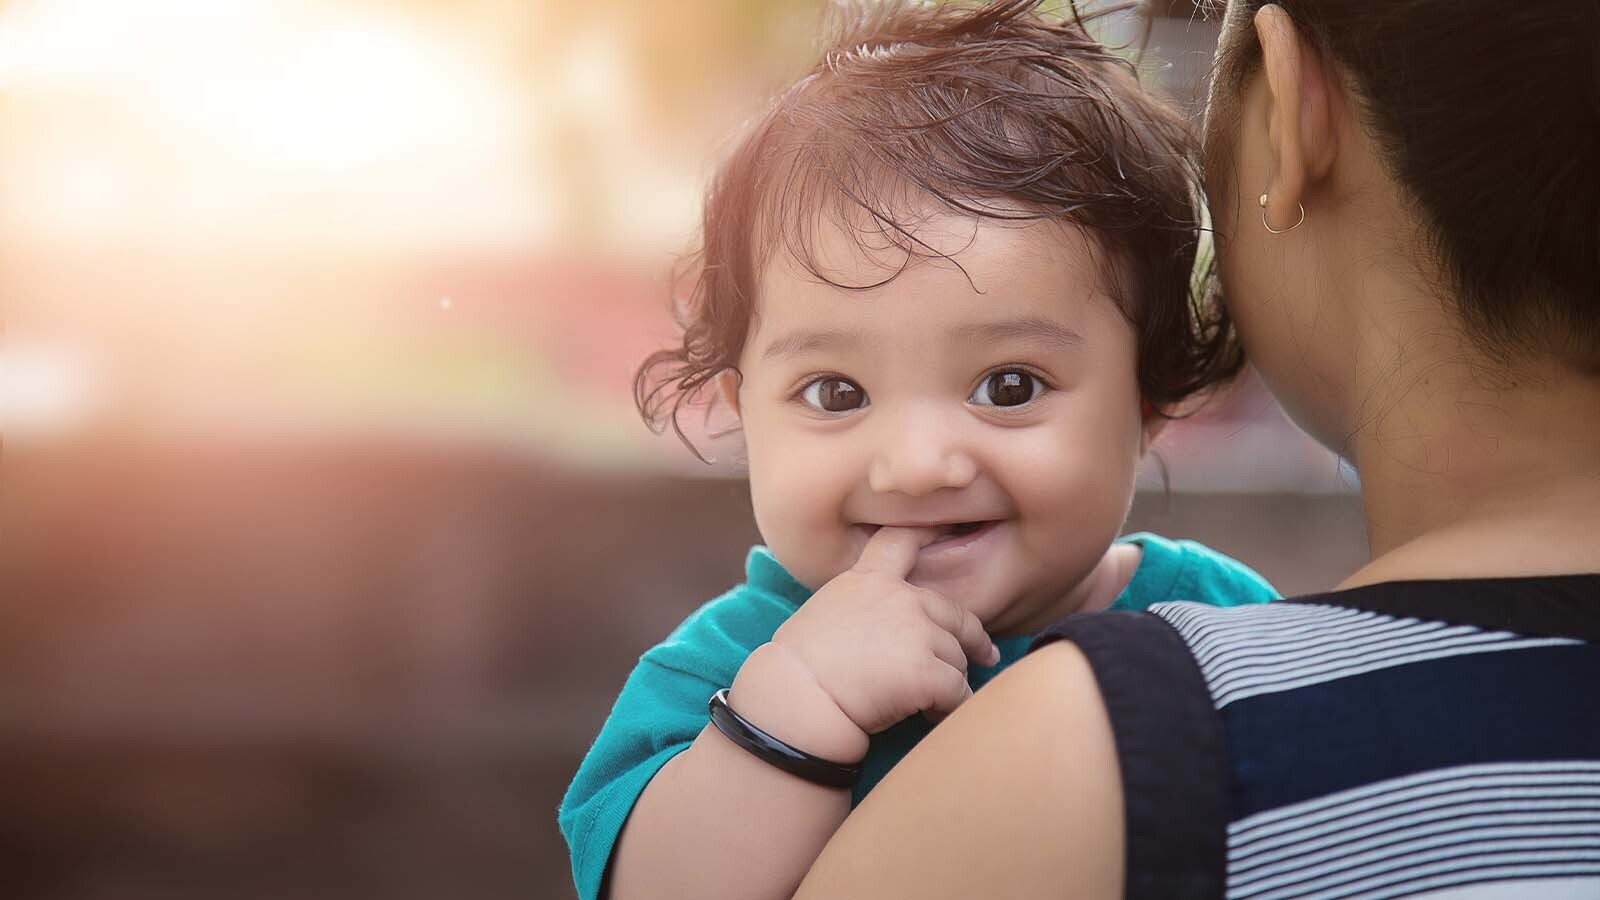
(1000, 404)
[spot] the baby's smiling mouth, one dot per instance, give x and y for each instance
(963, 528)
(949, 532)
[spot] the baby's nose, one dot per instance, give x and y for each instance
(920, 454)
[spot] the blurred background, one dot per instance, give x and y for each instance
(327, 528)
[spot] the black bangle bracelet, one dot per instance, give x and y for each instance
(774, 752)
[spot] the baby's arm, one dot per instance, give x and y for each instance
(865, 652)
(718, 822)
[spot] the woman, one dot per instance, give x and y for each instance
(1407, 199)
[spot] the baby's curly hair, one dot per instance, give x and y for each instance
(997, 111)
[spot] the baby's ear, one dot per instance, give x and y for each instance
(728, 388)
(1151, 422)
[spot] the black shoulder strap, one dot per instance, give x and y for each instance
(1543, 606)
(1170, 747)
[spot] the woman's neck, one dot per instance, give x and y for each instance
(1469, 470)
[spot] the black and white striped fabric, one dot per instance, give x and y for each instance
(1418, 739)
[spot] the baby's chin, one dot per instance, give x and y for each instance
(989, 595)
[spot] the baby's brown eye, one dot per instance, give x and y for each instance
(834, 395)
(1007, 388)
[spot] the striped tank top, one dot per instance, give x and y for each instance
(1435, 739)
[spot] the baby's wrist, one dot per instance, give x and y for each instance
(778, 693)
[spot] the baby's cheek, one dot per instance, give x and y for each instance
(801, 527)
(1074, 458)
(1077, 488)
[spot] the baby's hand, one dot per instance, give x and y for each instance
(879, 648)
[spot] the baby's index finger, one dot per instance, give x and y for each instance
(893, 551)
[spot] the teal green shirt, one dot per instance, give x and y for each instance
(662, 707)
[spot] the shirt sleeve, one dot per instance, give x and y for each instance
(1216, 579)
(1172, 570)
(658, 714)
(1171, 752)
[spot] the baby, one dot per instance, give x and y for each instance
(945, 284)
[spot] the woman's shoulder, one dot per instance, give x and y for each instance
(1170, 745)
(1035, 811)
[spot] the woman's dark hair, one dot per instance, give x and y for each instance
(1488, 114)
(994, 112)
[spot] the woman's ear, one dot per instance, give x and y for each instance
(728, 388)
(1300, 124)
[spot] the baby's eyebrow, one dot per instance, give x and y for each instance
(801, 342)
(1034, 329)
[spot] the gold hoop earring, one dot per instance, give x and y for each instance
(1263, 203)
